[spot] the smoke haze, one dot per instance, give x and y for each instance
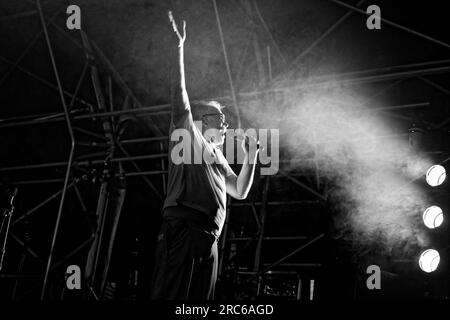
(370, 165)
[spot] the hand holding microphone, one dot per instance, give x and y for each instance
(246, 140)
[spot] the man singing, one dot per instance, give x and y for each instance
(195, 207)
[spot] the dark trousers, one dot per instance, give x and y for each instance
(186, 262)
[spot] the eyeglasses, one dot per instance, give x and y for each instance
(221, 116)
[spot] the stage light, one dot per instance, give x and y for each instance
(429, 260)
(435, 175)
(433, 217)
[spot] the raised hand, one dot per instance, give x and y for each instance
(246, 141)
(181, 37)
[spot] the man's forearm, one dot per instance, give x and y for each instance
(180, 100)
(245, 177)
(180, 97)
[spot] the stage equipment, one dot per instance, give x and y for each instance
(433, 217)
(435, 175)
(429, 260)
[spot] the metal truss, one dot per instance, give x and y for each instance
(110, 140)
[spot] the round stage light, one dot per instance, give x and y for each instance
(435, 175)
(433, 217)
(429, 260)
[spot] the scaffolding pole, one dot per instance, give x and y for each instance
(261, 233)
(278, 262)
(227, 64)
(69, 115)
(155, 110)
(72, 147)
(291, 66)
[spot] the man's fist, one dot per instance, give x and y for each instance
(246, 141)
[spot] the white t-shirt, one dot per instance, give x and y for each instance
(198, 186)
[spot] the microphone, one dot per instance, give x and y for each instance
(241, 138)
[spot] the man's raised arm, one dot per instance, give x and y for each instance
(180, 99)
